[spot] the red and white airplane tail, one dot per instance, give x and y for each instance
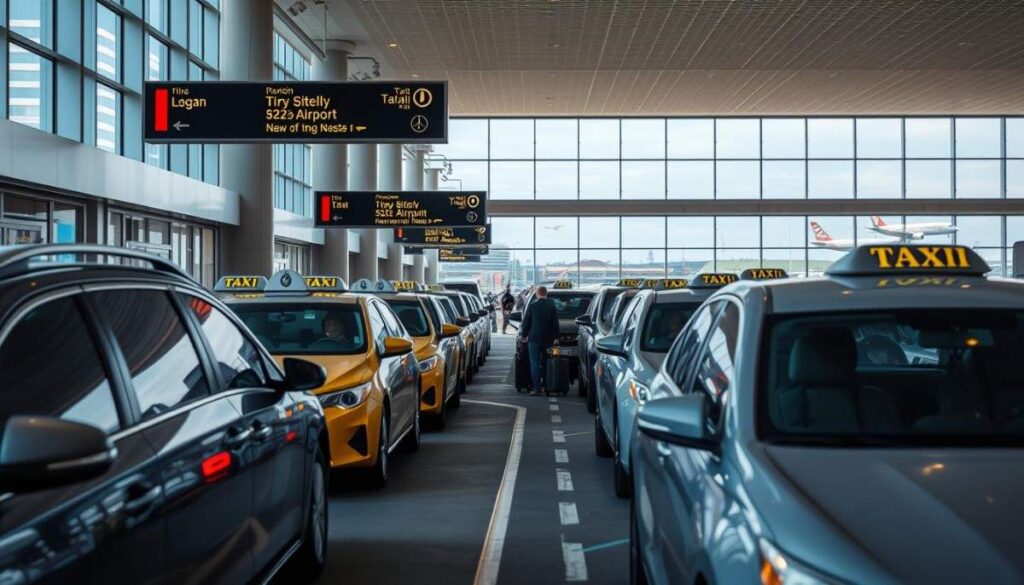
(819, 232)
(876, 220)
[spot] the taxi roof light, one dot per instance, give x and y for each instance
(713, 280)
(365, 285)
(763, 274)
(879, 260)
(407, 285)
(561, 285)
(671, 283)
(630, 282)
(237, 283)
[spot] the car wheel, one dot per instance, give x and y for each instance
(620, 477)
(581, 384)
(457, 395)
(311, 558)
(592, 397)
(379, 473)
(414, 438)
(470, 370)
(637, 574)
(600, 441)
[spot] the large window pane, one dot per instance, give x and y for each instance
(29, 88)
(599, 139)
(837, 227)
(879, 138)
(819, 259)
(978, 178)
(195, 30)
(32, 19)
(979, 230)
(599, 180)
(783, 231)
(556, 179)
(643, 232)
(1015, 178)
(466, 175)
(557, 138)
(643, 263)
(511, 139)
(879, 179)
(929, 138)
(691, 232)
(738, 179)
(211, 44)
(108, 36)
(691, 179)
(929, 179)
(156, 59)
(830, 138)
(555, 265)
(108, 119)
(556, 232)
(156, 14)
(917, 219)
(791, 260)
(738, 232)
(1015, 137)
(643, 180)
(1014, 229)
(740, 138)
(511, 180)
(691, 139)
(783, 138)
(685, 263)
(466, 139)
(598, 266)
(830, 179)
(599, 232)
(643, 138)
(978, 138)
(737, 260)
(784, 179)
(512, 232)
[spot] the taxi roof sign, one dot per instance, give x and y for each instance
(630, 282)
(365, 285)
(671, 283)
(561, 284)
(325, 283)
(649, 283)
(406, 285)
(435, 287)
(909, 259)
(763, 274)
(286, 281)
(240, 284)
(713, 280)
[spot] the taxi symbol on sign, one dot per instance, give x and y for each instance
(422, 97)
(419, 124)
(473, 201)
(471, 217)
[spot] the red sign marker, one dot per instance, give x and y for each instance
(325, 208)
(160, 100)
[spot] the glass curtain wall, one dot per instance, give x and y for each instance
(293, 175)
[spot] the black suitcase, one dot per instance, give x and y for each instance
(522, 367)
(557, 375)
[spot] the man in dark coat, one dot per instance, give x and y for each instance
(540, 328)
(508, 303)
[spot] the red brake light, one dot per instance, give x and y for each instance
(215, 466)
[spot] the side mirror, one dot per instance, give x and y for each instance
(515, 316)
(449, 330)
(678, 420)
(611, 345)
(396, 346)
(302, 375)
(584, 321)
(482, 312)
(462, 321)
(38, 452)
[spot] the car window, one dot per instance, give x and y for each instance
(448, 308)
(663, 323)
(689, 342)
(237, 358)
(377, 327)
(395, 329)
(630, 324)
(715, 365)
(610, 298)
(620, 325)
(412, 316)
(160, 355)
(313, 329)
(432, 313)
(34, 380)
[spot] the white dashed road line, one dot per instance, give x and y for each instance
(564, 479)
(568, 514)
(556, 419)
(553, 407)
(558, 436)
(575, 561)
(561, 456)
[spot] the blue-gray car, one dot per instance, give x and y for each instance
(631, 354)
(862, 427)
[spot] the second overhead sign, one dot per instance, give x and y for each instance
(400, 209)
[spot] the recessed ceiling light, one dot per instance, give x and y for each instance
(554, 45)
(393, 45)
(416, 75)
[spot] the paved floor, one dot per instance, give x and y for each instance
(430, 525)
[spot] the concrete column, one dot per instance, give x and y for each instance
(389, 178)
(414, 182)
(362, 176)
(330, 163)
(246, 54)
(430, 183)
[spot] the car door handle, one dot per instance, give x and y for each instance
(137, 504)
(236, 437)
(663, 451)
(262, 432)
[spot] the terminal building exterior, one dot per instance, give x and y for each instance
(589, 194)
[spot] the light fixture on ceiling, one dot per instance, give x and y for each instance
(393, 45)
(415, 75)
(554, 45)
(297, 8)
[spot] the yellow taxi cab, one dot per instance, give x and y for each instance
(435, 343)
(371, 397)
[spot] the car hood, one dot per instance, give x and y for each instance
(924, 514)
(568, 327)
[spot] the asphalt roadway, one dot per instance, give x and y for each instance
(482, 503)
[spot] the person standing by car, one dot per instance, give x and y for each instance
(508, 303)
(540, 328)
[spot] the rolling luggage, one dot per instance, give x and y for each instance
(557, 377)
(522, 367)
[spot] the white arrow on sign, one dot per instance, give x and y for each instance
(179, 125)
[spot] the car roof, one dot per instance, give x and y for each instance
(305, 299)
(681, 295)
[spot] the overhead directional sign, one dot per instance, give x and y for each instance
(465, 251)
(393, 209)
(444, 237)
(413, 251)
(445, 255)
(282, 111)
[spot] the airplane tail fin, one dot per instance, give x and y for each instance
(877, 221)
(819, 232)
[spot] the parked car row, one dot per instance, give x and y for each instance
(152, 431)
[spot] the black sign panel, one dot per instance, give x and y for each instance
(412, 251)
(449, 256)
(304, 112)
(444, 237)
(465, 251)
(390, 209)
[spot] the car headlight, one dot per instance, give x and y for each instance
(639, 392)
(430, 363)
(346, 398)
(778, 569)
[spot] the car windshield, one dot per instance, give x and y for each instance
(608, 304)
(946, 377)
(412, 315)
(314, 329)
(664, 322)
(569, 305)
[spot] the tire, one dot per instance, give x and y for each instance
(592, 397)
(379, 471)
(637, 574)
(471, 370)
(581, 382)
(311, 558)
(620, 477)
(456, 399)
(600, 441)
(412, 441)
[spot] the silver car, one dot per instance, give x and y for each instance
(863, 427)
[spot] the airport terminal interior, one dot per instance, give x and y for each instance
(373, 198)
